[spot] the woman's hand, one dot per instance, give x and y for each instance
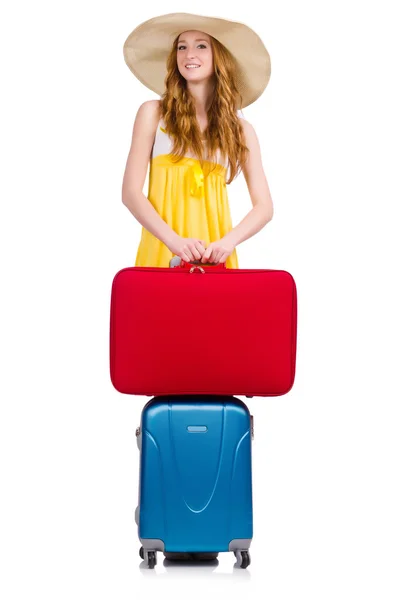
(217, 252)
(188, 249)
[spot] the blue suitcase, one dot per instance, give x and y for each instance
(195, 478)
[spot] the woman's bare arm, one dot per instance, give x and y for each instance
(262, 211)
(144, 130)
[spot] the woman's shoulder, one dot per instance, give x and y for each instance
(152, 105)
(150, 108)
(149, 113)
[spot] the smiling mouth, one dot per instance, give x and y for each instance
(191, 68)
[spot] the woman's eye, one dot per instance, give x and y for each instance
(184, 46)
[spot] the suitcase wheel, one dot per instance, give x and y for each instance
(150, 558)
(243, 558)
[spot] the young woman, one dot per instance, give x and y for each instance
(195, 137)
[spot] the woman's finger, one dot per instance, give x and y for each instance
(201, 247)
(207, 257)
(195, 252)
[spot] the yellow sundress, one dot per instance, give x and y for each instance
(192, 200)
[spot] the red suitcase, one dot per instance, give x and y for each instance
(203, 329)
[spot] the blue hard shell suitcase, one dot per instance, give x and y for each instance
(195, 480)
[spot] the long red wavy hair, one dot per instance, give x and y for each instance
(224, 130)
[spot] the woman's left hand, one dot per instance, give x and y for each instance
(217, 252)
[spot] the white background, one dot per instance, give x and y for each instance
(324, 460)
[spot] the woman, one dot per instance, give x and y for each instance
(195, 137)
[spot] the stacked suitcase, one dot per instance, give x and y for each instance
(236, 331)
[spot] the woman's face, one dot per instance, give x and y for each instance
(194, 48)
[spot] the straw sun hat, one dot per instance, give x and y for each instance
(147, 47)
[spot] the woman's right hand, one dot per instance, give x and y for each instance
(188, 249)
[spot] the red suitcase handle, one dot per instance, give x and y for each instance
(198, 262)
